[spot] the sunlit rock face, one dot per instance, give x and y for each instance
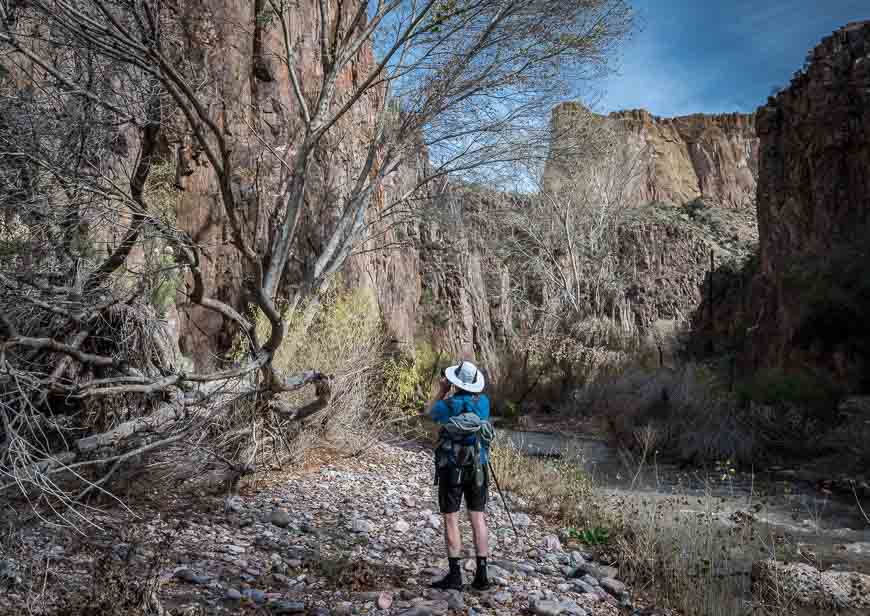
(678, 160)
(691, 191)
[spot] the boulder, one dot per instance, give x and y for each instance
(614, 587)
(807, 591)
(280, 518)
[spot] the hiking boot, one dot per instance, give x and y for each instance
(451, 581)
(481, 580)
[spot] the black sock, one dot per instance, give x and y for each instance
(481, 563)
(454, 565)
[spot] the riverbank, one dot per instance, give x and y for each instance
(692, 536)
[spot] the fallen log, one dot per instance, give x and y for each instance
(165, 413)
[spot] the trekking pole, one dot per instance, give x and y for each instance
(503, 500)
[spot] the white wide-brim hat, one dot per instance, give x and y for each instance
(466, 376)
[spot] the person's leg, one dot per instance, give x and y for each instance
(476, 496)
(451, 535)
(480, 531)
(449, 501)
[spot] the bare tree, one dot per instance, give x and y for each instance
(97, 91)
(562, 248)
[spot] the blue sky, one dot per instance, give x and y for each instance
(716, 56)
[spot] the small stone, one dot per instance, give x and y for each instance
(401, 526)
(280, 518)
(495, 571)
(455, 601)
(433, 521)
(521, 520)
(563, 587)
(287, 607)
(345, 608)
(232, 595)
(368, 596)
(187, 575)
(417, 610)
(591, 580)
(551, 543)
(583, 587)
(255, 595)
(234, 549)
(503, 597)
(602, 571)
(543, 607)
(234, 504)
(570, 607)
(360, 525)
(470, 565)
(436, 607)
(614, 587)
(526, 567)
(385, 600)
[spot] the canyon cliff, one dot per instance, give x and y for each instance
(804, 301)
(433, 275)
(681, 159)
(691, 192)
(253, 90)
(436, 280)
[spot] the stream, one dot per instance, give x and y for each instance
(830, 528)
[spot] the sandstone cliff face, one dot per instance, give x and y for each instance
(713, 157)
(806, 303)
(692, 193)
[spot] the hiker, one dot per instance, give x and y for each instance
(461, 463)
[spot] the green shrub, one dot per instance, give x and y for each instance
(407, 380)
(594, 536)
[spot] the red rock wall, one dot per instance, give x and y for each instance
(805, 303)
(250, 88)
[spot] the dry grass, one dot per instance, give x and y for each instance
(554, 487)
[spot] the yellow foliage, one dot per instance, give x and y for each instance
(325, 333)
(407, 379)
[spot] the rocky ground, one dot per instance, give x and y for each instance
(346, 536)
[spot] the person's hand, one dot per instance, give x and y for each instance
(444, 385)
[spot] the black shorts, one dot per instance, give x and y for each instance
(451, 491)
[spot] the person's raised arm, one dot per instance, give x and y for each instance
(443, 390)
